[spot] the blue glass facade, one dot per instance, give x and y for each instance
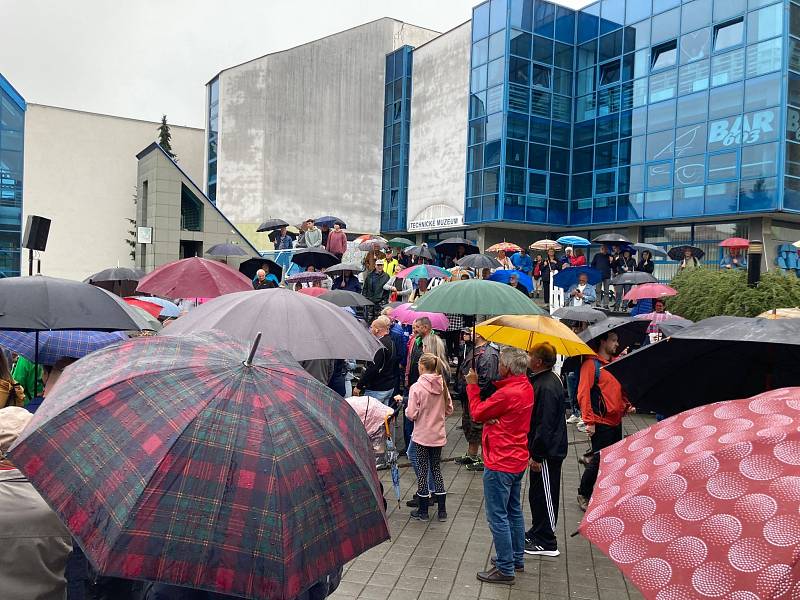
(12, 135)
(396, 128)
(213, 136)
(637, 111)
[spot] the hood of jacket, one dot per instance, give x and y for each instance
(431, 382)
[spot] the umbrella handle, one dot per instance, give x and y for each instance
(256, 342)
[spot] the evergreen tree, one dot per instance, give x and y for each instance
(131, 239)
(165, 138)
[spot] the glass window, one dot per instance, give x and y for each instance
(586, 107)
(497, 18)
(563, 56)
(663, 56)
(690, 140)
(688, 201)
(474, 184)
(792, 124)
(625, 124)
(480, 21)
(639, 121)
(605, 182)
(794, 89)
(491, 180)
(793, 159)
(608, 101)
(791, 193)
(477, 131)
(520, 43)
(636, 178)
(480, 52)
(722, 198)
(605, 155)
(637, 148)
(491, 156)
(540, 130)
(515, 181)
(661, 5)
(478, 79)
(794, 51)
(517, 126)
(522, 14)
(559, 160)
(541, 77)
(607, 128)
(661, 116)
(690, 170)
(583, 134)
(722, 167)
(538, 157)
(728, 67)
(660, 145)
(515, 153)
(494, 126)
(794, 19)
(658, 205)
(610, 72)
(610, 45)
(693, 77)
(762, 92)
(562, 132)
(758, 194)
(613, 11)
(695, 45)
(587, 55)
(760, 126)
(765, 23)
(728, 8)
(582, 186)
(630, 207)
(537, 183)
(765, 57)
(475, 158)
(559, 186)
(582, 159)
(663, 85)
(637, 36)
(726, 100)
(514, 206)
(636, 11)
(536, 211)
(494, 99)
(729, 34)
(588, 25)
(585, 81)
(497, 45)
(640, 92)
(565, 25)
(489, 206)
(496, 72)
(543, 18)
(759, 160)
(519, 70)
(540, 103)
(666, 26)
(562, 108)
(695, 14)
(659, 175)
(562, 82)
(542, 50)
(519, 98)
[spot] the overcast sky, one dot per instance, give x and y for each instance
(143, 58)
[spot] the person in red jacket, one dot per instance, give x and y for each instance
(506, 416)
(603, 405)
(337, 241)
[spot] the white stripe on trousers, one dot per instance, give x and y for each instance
(547, 496)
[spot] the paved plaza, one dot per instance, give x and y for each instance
(437, 561)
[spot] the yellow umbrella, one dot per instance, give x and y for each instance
(526, 331)
(781, 313)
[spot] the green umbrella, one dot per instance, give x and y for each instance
(478, 297)
(400, 242)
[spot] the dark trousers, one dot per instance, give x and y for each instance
(543, 495)
(604, 436)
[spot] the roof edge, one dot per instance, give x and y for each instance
(97, 114)
(9, 89)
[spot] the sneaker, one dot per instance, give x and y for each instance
(476, 465)
(581, 426)
(573, 419)
(418, 515)
(531, 548)
(467, 459)
(583, 502)
(517, 568)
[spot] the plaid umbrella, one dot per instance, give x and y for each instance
(55, 345)
(184, 461)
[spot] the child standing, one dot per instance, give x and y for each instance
(429, 404)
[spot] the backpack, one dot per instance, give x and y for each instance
(537, 270)
(598, 401)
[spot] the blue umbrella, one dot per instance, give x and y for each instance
(329, 221)
(573, 240)
(504, 275)
(168, 309)
(55, 345)
(568, 277)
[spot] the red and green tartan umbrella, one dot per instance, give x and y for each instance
(183, 461)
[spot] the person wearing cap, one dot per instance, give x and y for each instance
(392, 264)
(372, 257)
(373, 290)
(35, 543)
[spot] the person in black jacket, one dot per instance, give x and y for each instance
(547, 445)
(646, 263)
(380, 377)
(602, 261)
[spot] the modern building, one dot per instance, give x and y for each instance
(12, 137)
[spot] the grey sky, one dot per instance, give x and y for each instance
(142, 58)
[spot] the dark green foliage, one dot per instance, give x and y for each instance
(165, 138)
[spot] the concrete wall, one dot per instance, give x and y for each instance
(301, 131)
(439, 115)
(80, 171)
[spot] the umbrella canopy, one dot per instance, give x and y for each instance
(506, 247)
(400, 242)
(504, 276)
(226, 250)
(478, 297)
(781, 313)
(41, 303)
(652, 249)
(343, 267)
(766, 351)
(449, 247)
(735, 242)
(193, 277)
(569, 277)
(796, 244)
(429, 272)
(573, 240)
(458, 272)
(306, 277)
(249, 267)
(611, 238)
(344, 298)
(479, 261)
(672, 324)
(373, 241)
(223, 470)
(168, 309)
(273, 235)
(121, 281)
(582, 314)
(272, 224)
(151, 323)
(704, 505)
(319, 258)
(55, 345)
(419, 252)
(677, 252)
(546, 244)
(329, 221)
(307, 328)
(526, 331)
(151, 308)
(406, 314)
(634, 278)
(629, 331)
(650, 290)
(315, 292)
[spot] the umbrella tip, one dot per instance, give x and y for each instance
(256, 342)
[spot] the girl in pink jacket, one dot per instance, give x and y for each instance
(429, 405)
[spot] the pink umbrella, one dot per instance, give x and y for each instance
(313, 291)
(406, 315)
(650, 290)
(735, 242)
(193, 277)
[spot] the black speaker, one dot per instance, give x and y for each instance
(36, 231)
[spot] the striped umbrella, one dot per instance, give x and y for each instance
(545, 244)
(505, 247)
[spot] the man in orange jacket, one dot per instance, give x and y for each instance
(603, 405)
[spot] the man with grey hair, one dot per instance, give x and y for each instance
(506, 416)
(379, 379)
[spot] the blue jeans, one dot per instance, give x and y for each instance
(382, 396)
(572, 391)
(412, 458)
(502, 493)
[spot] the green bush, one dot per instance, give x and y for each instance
(704, 293)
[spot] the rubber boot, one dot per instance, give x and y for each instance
(421, 514)
(441, 500)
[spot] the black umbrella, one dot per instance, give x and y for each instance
(652, 249)
(249, 267)
(677, 252)
(583, 314)
(634, 278)
(121, 281)
(271, 224)
(343, 268)
(319, 258)
(329, 221)
(226, 250)
(721, 358)
(611, 238)
(629, 331)
(479, 261)
(419, 252)
(673, 325)
(449, 247)
(345, 298)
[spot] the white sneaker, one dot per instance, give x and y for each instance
(573, 419)
(581, 426)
